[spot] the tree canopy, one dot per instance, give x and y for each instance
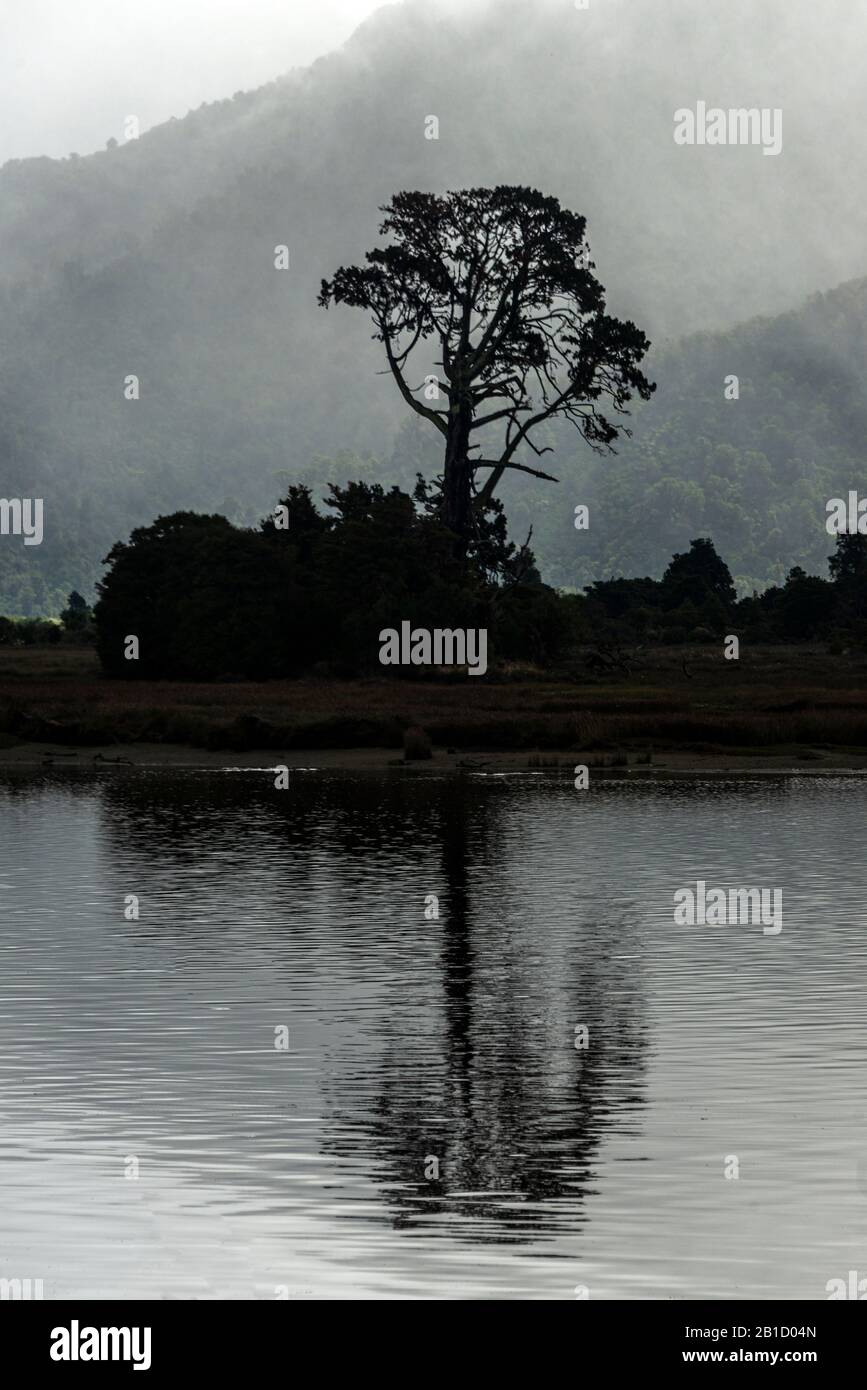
(501, 280)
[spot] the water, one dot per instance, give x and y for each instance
(155, 1046)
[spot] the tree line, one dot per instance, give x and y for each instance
(310, 590)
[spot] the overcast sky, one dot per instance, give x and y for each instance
(72, 70)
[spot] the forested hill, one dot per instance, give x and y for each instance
(754, 473)
(155, 257)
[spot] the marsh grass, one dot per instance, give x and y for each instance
(776, 697)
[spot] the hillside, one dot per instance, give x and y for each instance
(155, 258)
(753, 473)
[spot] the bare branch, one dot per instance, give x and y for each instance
(435, 416)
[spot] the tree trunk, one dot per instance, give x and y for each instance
(457, 476)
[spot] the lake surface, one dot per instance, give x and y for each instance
(249, 1091)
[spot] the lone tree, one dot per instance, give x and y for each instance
(500, 279)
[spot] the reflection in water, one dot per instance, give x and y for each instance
(432, 1103)
(487, 1081)
(478, 1084)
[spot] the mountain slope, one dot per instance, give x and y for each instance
(157, 258)
(754, 473)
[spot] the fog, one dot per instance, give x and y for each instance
(71, 73)
(155, 256)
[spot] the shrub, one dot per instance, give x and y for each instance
(416, 745)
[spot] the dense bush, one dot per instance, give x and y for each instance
(306, 591)
(695, 601)
(75, 626)
(29, 632)
(208, 600)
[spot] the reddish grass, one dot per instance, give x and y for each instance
(772, 697)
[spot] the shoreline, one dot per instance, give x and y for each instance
(180, 757)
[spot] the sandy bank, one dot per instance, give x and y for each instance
(156, 755)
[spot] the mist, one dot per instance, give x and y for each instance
(71, 74)
(155, 255)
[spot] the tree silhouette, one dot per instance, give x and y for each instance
(698, 572)
(76, 615)
(500, 279)
(848, 566)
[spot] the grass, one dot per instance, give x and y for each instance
(773, 697)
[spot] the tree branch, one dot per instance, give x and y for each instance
(435, 416)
